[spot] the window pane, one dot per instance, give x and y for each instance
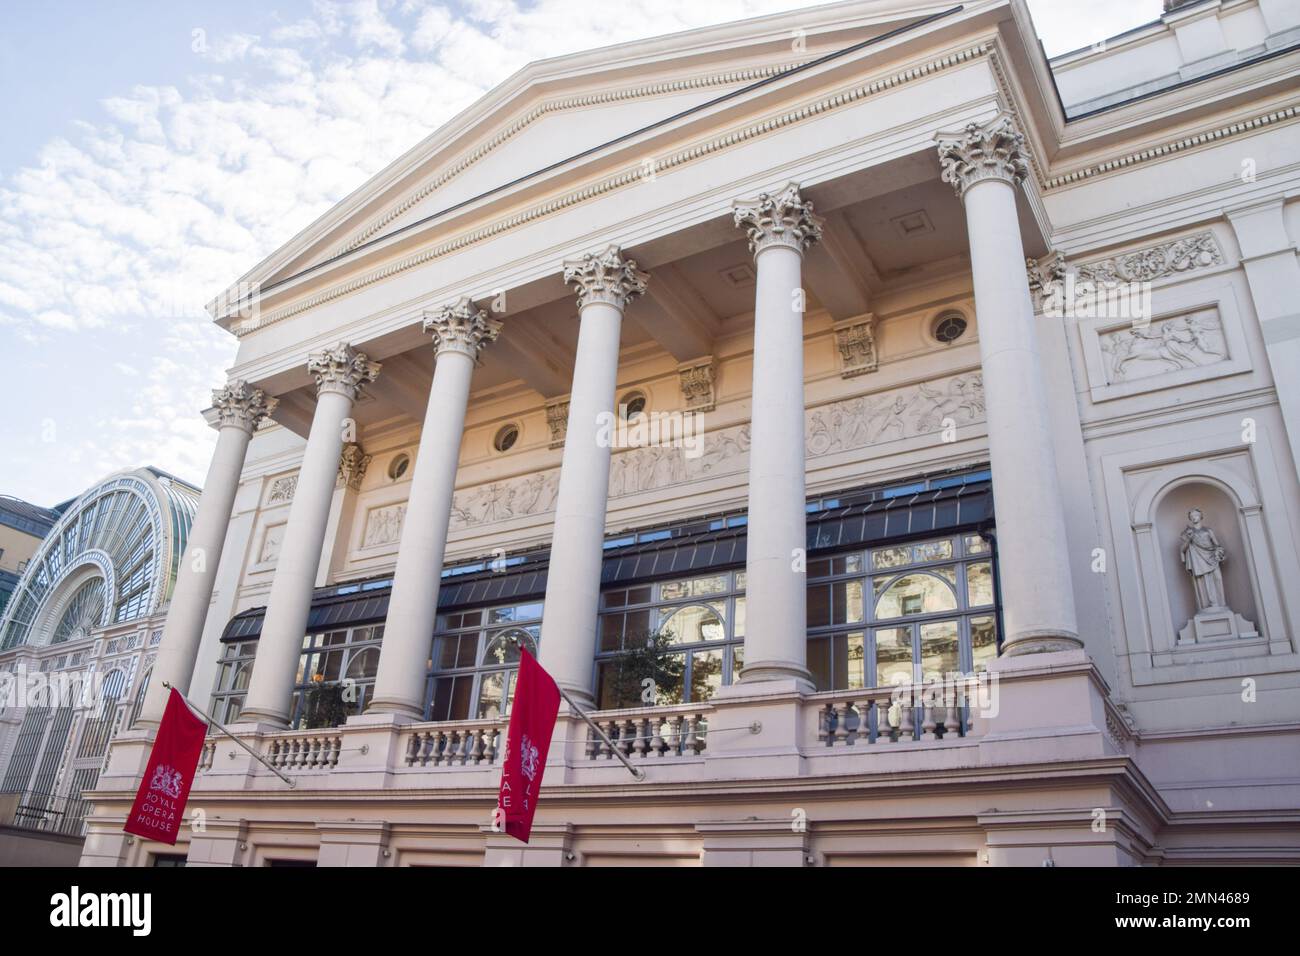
(939, 649)
(364, 665)
(672, 681)
(933, 551)
(887, 558)
(857, 659)
(819, 662)
(820, 568)
(983, 641)
(455, 651)
(615, 598)
(979, 583)
(636, 626)
(738, 621)
(639, 595)
(489, 695)
(847, 602)
(893, 656)
(611, 632)
(819, 605)
(976, 545)
(242, 674)
(451, 698)
(690, 625)
(706, 674)
(737, 663)
(915, 594)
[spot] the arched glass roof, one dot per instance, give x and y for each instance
(111, 558)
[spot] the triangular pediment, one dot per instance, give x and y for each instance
(554, 111)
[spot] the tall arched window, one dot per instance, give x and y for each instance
(475, 659)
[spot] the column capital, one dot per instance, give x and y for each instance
(605, 277)
(980, 151)
(353, 462)
(461, 327)
(784, 219)
(240, 405)
(342, 369)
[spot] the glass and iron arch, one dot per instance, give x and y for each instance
(114, 552)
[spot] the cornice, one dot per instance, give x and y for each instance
(1217, 134)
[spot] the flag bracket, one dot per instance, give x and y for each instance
(221, 727)
(637, 773)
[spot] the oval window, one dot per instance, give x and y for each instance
(506, 438)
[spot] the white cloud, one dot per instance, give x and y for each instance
(114, 237)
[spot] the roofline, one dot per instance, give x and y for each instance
(757, 84)
(698, 41)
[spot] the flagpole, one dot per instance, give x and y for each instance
(636, 772)
(221, 727)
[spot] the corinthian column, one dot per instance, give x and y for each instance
(340, 373)
(780, 229)
(460, 332)
(236, 412)
(985, 164)
(605, 283)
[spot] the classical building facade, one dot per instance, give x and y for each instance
(78, 641)
(889, 435)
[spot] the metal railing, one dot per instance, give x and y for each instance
(50, 813)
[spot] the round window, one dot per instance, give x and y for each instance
(506, 438)
(949, 327)
(399, 466)
(631, 405)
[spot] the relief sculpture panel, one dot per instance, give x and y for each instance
(921, 409)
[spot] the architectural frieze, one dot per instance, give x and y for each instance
(924, 408)
(1161, 261)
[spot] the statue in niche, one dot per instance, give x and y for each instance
(1202, 554)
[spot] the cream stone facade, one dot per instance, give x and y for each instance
(840, 349)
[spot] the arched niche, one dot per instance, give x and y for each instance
(1221, 512)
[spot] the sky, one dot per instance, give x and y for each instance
(153, 152)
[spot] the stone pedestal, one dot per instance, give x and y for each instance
(1216, 624)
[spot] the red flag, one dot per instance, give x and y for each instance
(160, 802)
(532, 721)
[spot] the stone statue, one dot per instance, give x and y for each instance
(1202, 554)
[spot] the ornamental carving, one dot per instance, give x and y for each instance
(696, 380)
(1047, 279)
(856, 343)
(461, 327)
(241, 405)
(557, 420)
(282, 490)
(353, 462)
(384, 526)
(271, 542)
(783, 219)
(980, 151)
(1169, 345)
(908, 412)
(605, 277)
(342, 369)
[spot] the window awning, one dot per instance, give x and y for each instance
(880, 520)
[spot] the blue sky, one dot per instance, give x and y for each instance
(154, 151)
